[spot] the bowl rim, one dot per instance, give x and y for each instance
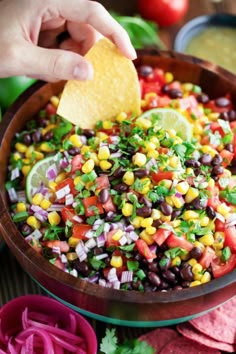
(218, 19)
(85, 287)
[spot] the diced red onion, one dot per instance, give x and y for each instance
(101, 256)
(102, 143)
(114, 139)
(230, 220)
(52, 172)
(77, 218)
(133, 236)
(116, 284)
(64, 163)
(69, 199)
(151, 163)
(93, 279)
(116, 155)
(41, 215)
(220, 217)
(153, 248)
(91, 243)
(97, 223)
(36, 234)
(123, 240)
(101, 240)
(21, 196)
(106, 227)
(15, 173)
(111, 276)
(80, 251)
(56, 249)
(64, 259)
(178, 195)
(35, 208)
(126, 276)
(12, 195)
(89, 234)
(56, 207)
(83, 139)
(74, 273)
(129, 228)
(102, 282)
(61, 193)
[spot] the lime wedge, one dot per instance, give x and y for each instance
(171, 119)
(38, 175)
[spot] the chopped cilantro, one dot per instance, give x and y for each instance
(99, 230)
(226, 254)
(133, 265)
(174, 252)
(97, 264)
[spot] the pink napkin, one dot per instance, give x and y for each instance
(210, 333)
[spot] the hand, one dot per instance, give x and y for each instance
(28, 26)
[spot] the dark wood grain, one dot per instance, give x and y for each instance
(115, 304)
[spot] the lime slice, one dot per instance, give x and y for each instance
(171, 119)
(38, 175)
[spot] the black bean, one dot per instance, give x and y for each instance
(217, 160)
(175, 214)
(178, 287)
(164, 263)
(192, 163)
(81, 267)
(164, 285)
(42, 122)
(232, 115)
(36, 136)
(196, 253)
(103, 195)
(215, 177)
(165, 89)
(175, 270)
(48, 136)
(74, 151)
(199, 203)
(229, 147)
(185, 284)
(222, 102)
(142, 172)
(166, 208)
(186, 273)
(27, 139)
(203, 98)
(153, 267)
(121, 187)
(210, 212)
(145, 201)
(217, 170)
(205, 159)
(26, 230)
(169, 276)
(224, 116)
(175, 93)
(119, 172)
(145, 211)
(136, 284)
(156, 223)
(154, 279)
(89, 133)
(138, 257)
(97, 251)
(144, 70)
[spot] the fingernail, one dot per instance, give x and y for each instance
(133, 53)
(83, 71)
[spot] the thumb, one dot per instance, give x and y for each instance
(55, 64)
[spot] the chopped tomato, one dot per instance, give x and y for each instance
(143, 249)
(207, 257)
(58, 263)
(110, 241)
(68, 213)
(50, 110)
(219, 225)
(227, 157)
(151, 87)
(157, 75)
(159, 176)
(219, 268)
(63, 245)
(230, 238)
(76, 163)
(179, 241)
(92, 206)
(163, 101)
(215, 126)
(102, 182)
(109, 205)
(212, 105)
(161, 236)
(79, 231)
(213, 200)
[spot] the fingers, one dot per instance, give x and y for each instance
(54, 64)
(95, 14)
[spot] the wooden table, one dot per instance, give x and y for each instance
(13, 280)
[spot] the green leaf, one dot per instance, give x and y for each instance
(226, 254)
(109, 342)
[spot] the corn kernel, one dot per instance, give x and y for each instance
(195, 283)
(148, 96)
(139, 159)
(54, 101)
(116, 261)
(25, 170)
(88, 166)
(192, 194)
(45, 204)
(52, 185)
(20, 147)
(167, 183)
(119, 233)
(165, 217)
(218, 253)
(169, 77)
(199, 245)
(61, 177)
(75, 140)
(107, 124)
(29, 151)
(94, 157)
(105, 165)
(152, 154)
(197, 129)
(127, 209)
(104, 153)
(197, 276)
(156, 214)
(148, 145)
(73, 241)
(26, 161)
(46, 147)
(155, 141)
(206, 278)
(17, 156)
(182, 187)
(20, 207)
(192, 261)
(223, 209)
(37, 198)
(206, 149)
(146, 237)
(190, 171)
(178, 202)
(102, 136)
(143, 123)
(48, 128)
(146, 222)
(213, 116)
(72, 256)
(54, 218)
(128, 178)
(207, 240)
(219, 240)
(85, 149)
(169, 200)
(150, 230)
(136, 222)
(121, 117)
(204, 221)
(190, 214)
(175, 223)
(184, 256)
(38, 155)
(176, 262)
(33, 222)
(146, 182)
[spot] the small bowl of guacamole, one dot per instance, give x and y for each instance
(212, 38)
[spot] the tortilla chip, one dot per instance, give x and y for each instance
(113, 89)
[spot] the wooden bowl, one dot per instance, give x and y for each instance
(114, 306)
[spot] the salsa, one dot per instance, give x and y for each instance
(132, 204)
(215, 44)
